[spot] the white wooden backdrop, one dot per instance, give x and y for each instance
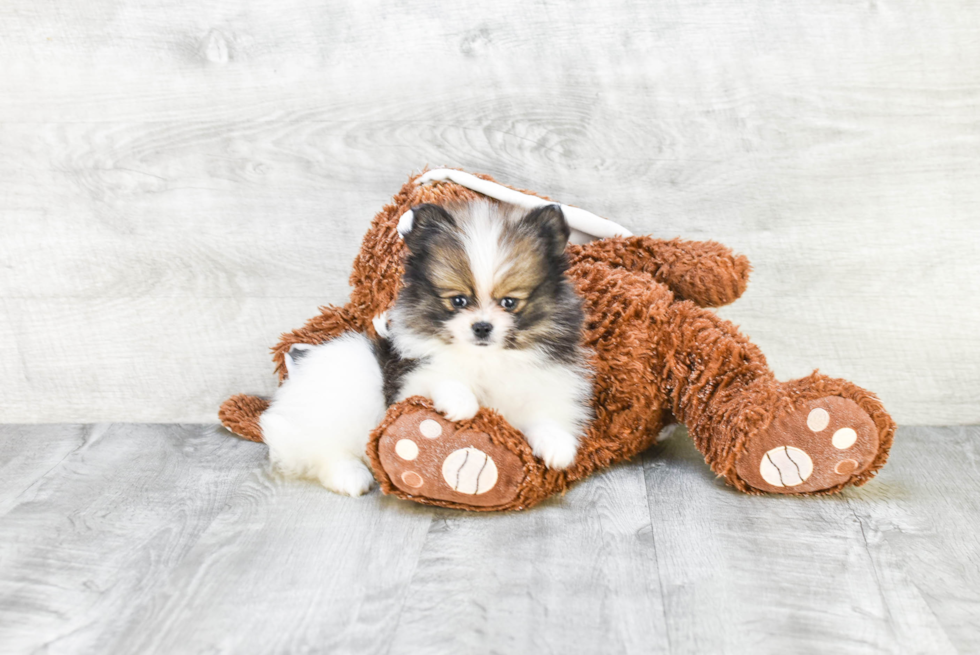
(179, 183)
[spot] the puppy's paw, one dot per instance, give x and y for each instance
(455, 400)
(349, 477)
(438, 175)
(552, 444)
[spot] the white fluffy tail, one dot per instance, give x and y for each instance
(319, 421)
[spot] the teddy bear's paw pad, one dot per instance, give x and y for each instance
(425, 455)
(821, 446)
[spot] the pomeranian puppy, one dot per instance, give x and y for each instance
(486, 317)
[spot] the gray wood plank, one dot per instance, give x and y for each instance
(94, 537)
(919, 524)
(575, 575)
(182, 184)
(165, 539)
(31, 451)
(775, 574)
(287, 567)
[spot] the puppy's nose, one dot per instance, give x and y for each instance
(482, 329)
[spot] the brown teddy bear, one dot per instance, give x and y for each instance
(659, 356)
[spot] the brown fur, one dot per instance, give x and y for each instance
(659, 355)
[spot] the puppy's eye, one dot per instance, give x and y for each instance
(508, 303)
(459, 302)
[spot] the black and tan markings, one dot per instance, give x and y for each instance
(547, 314)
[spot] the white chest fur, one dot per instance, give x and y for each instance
(524, 386)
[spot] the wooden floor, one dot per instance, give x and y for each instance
(175, 539)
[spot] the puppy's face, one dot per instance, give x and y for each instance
(484, 276)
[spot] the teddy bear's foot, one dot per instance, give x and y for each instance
(240, 415)
(820, 446)
(428, 459)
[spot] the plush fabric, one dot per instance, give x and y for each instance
(659, 355)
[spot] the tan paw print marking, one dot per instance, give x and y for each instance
(786, 466)
(844, 438)
(469, 471)
(819, 447)
(426, 456)
(430, 429)
(406, 449)
(818, 419)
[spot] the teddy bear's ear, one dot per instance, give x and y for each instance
(549, 223)
(423, 220)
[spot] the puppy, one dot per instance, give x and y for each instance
(486, 317)
(490, 319)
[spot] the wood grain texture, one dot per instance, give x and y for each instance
(29, 452)
(743, 571)
(577, 575)
(181, 182)
(287, 568)
(920, 536)
(91, 539)
(175, 539)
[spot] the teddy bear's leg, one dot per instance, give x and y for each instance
(829, 435)
(816, 434)
(479, 464)
(240, 415)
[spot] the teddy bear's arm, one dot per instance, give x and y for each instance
(704, 272)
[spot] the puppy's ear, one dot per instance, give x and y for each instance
(549, 224)
(426, 219)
